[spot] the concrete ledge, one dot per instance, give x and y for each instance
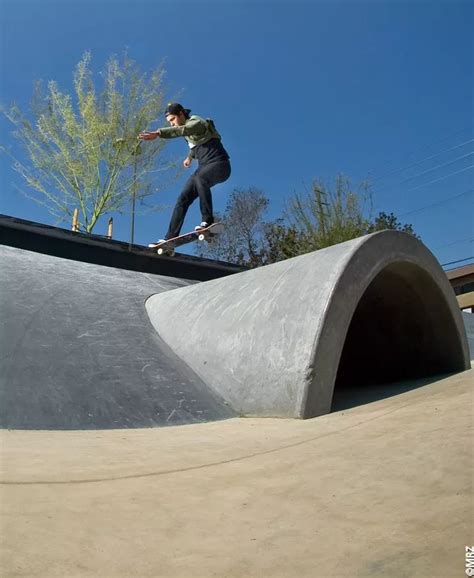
(99, 250)
(275, 341)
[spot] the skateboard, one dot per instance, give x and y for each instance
(167, 247)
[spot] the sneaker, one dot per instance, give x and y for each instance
(203, 225)
(156, 243)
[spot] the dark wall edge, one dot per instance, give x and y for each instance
(49, 240)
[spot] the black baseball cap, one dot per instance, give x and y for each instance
(176, 108)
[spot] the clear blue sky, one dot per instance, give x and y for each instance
(298, 89)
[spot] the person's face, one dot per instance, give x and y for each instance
(176, 119)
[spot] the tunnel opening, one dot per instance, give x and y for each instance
(402, 333)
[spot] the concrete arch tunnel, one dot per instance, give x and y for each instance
(278, 340)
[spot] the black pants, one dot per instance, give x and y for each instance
(198, 185)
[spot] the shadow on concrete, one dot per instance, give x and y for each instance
(346, 396)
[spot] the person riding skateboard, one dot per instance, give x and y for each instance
(213, 164)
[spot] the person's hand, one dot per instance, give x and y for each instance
(187, 162)
(149, 135)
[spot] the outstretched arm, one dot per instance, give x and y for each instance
(149, 134)
(193, 127)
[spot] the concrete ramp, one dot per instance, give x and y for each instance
(77, 350)
(278, 340)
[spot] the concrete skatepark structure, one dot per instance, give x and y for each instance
(78, 351)
(381, 488)
(275, 341)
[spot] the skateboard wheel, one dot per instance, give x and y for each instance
(166, 252)
(202, 237)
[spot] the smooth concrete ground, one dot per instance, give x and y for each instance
(380, 490)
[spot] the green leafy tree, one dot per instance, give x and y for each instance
(243, 241)
(389, 221)
(82, 149)
(321, 217)
(282, 241)
(248, 239)
(328, 215)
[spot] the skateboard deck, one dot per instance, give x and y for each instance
(167, 247)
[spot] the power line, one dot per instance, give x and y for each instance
(440, 179)
(454, 243)
(436, 142)
(458, 261)
(436, 204)
(451, 162)
(395, 171)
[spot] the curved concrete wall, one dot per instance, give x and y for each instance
(270, 340)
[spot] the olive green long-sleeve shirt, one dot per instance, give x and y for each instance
(196, 131)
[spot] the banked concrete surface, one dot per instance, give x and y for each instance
(276, 340)
(77, 350)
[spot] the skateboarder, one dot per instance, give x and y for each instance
(213, 164)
